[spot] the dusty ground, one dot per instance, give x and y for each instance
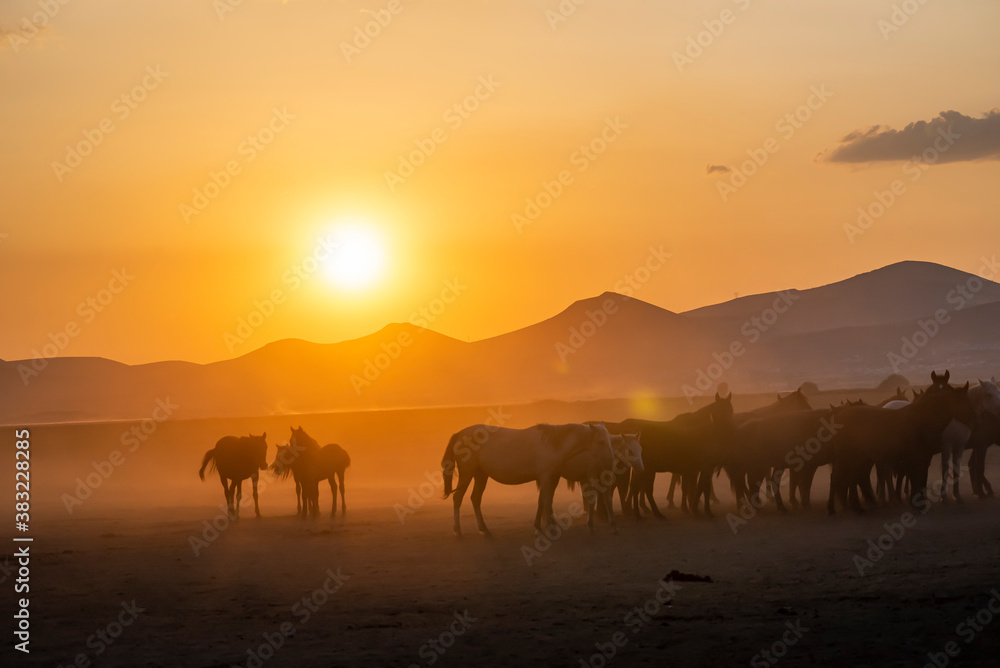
(401, 584)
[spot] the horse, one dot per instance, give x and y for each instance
(741, 483)
(599, 476)
(899, 396)
(537, 454)
(693, 451)
(765, 447)
(628, 451)
(237, 458)
(906, 438)
(985, 399)
(286, 463)
(315, 464)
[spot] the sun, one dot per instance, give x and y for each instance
(357, 260)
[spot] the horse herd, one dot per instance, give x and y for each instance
(896, 439)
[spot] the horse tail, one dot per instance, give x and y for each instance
(448, 464)
(209, 458)
(571, 485)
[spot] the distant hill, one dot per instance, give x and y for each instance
(608, 346)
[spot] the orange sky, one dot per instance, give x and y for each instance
(346, 121)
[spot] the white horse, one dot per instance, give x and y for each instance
(600, 476)
(538, 454)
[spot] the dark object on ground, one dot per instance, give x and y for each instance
(677, 576)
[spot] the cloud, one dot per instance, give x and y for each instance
(717, 169)
(971, 139)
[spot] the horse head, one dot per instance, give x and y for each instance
(795, 401)
(721, 411)
(944, 402)
(300, 440)
(632, 451)
(990, 396)
(939, 382)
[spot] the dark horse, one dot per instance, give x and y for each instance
(237, 458)
(309, 464)
(904, 439)
(690, 449)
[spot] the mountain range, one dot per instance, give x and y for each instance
(905, 318)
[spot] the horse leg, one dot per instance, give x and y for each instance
(238, 486)
(464, 479)
(343, 498)
(775, 485)
(956, 468)
(945, 458)
(647, 492)
(256, 506)
(477, 498)
(298, 498)
(670, 492)
(705, 489)
(610, 503)
(333, 490)
(225, 492)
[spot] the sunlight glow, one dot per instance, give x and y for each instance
(358, 260)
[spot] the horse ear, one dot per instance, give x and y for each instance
(264, 435)
(966, 388)
(730, 398)
(947, 375)
(717, 397)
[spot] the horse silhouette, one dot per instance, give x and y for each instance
(516, 456)
(237, 458)
(904, 439)
(309, 464)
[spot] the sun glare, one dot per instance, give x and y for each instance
(358, 259)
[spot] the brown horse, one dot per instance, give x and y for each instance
(904, 439)
(691, 450)
(237, 458)
(313, 464)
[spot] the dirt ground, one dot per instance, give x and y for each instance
(137, 576)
